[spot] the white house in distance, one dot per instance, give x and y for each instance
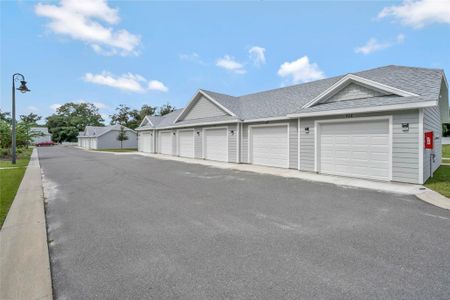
(368, 124)
(43, 135)
(105, 137)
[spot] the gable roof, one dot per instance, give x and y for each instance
(411, 86)
(96, 131)
(194, 100)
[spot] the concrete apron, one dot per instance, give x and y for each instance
(420, 191)
(24, 260)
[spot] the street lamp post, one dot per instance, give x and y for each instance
(23, 89)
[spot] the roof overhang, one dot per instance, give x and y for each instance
(201, 124)
(365, 109)
(193, 100)
(350, 78)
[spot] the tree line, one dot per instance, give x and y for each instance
(71, 118)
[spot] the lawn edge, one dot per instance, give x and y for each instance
(24, 256)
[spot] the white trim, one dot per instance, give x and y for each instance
(365, 109)
(204, 144)
(198, 124)
(194, 99)
(145, 118)
(348, 120)
(421, 146)
(178, 141)
(250, 140)
(266, 119)
(298, 144)
(349, 78)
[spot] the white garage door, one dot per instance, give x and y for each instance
(186, 143)
(165, 143)
(269, 146)
(145, 142)
(356, 149)
(216, 144)
(94, 143)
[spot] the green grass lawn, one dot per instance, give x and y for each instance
(119, 150)
(10, 180)
(446, 151)
(440, 181)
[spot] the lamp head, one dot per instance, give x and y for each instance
(23, 87)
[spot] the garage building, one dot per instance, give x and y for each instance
(105, 137)
(370, 124)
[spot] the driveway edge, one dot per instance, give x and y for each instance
(24, 258)
(434, 198)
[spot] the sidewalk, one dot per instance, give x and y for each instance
(24, 261)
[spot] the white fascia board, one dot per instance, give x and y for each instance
(143, 120)
(354, 78)
(365, 109)
(191, 103)
(198, 124)
(266, 119)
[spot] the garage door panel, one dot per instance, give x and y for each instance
(186, 143)
(359, 149)
(269, 146)
(216, 144)
(165, 145)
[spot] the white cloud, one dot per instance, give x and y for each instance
(127, 82)
(230, 64)
(155, 85)
(100, 105)
(374, 45)
(419, 13)
(301, 70)
(192, 57)
(32, 108)
(257, 55)
(55, 106)
(80, 20)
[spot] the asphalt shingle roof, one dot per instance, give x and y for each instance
(94, 131)
(287, 100)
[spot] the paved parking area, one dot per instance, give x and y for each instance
(133, 227)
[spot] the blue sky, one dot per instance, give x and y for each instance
(142, 52)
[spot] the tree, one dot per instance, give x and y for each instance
(147, 110)
(31, 118)
(131, 118)
(70, 119)
(5, 116)
(122, 136)
(166, 109)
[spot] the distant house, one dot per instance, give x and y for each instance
(105, 137)
(42, 135)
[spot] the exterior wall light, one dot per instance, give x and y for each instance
(307, 130)
(198, 133)
(174, 133)
(405, 127)
(232, 132)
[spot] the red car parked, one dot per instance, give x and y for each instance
(44, 144)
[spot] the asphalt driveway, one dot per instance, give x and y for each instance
(133, 227)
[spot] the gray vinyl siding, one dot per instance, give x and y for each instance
(432, 122)
(198, 143)
(354, 91)
(244, 144)
(293, 144)
(204, 108)
(109, 140)
(232, 143)
(405, 145)
(174, 142)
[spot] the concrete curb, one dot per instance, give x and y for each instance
(24, 258)
(434, 198)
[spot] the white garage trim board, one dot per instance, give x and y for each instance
(217, 154)
(275, 162)
(317, 141)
